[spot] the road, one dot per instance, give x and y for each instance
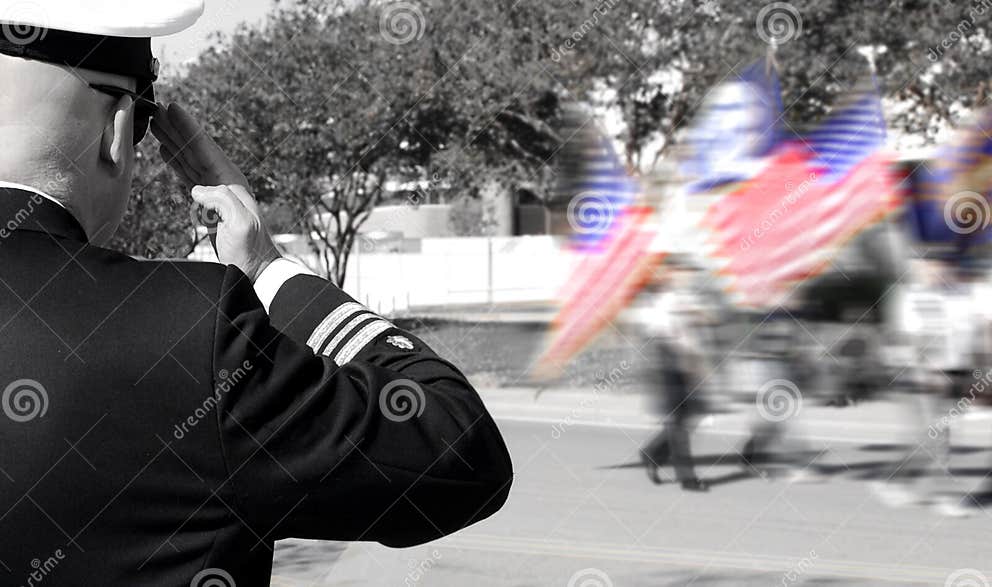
(581, 515)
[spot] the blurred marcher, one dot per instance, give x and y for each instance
(676, 322)
(977, 395)
(936, 318)
(783, 374)
(843, 310)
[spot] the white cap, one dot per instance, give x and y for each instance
(112, 18)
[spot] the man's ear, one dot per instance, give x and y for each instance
(117, 136)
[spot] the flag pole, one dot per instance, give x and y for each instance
(771, 64)
(870, 56)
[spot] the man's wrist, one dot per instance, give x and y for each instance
(263, 264)
(274, 275)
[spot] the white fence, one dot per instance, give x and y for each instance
(453, 272)
(459, 271)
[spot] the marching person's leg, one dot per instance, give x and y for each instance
(764, 433)
(682, 416)
(681, 449)
(656, 452)
(943, 488)
(898, 480)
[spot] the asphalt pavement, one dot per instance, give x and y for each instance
(583, 514)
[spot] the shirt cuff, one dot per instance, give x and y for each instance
(275, 276)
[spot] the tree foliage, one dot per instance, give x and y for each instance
(331, 100)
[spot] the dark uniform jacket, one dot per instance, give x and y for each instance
(159, 428)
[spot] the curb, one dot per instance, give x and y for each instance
(878, 422)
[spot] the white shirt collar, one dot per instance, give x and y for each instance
(27, 188)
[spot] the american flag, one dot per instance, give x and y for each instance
(949, 194)
(738, 126)
(611, 238)
(785, 225)
(593, 180)
(854, 131)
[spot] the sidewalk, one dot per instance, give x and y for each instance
(877, 422)
(501, 312)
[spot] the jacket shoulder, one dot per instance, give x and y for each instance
(170, 276)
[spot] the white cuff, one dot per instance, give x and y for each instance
(274, 276)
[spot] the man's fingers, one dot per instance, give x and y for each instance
(168, 136)
(203, 158)
(188, 131)
(172, 161)
(246, 197)
(220, 200)
(176, 163)
(163, 129)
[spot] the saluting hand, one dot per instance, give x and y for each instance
(237, 232)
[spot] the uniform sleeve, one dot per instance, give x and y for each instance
(336, 425)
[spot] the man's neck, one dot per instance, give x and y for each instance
(32, 189)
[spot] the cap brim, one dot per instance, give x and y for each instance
(134, 18)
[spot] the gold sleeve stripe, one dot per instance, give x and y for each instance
(345, 332)
(361, 340)
(332, 321)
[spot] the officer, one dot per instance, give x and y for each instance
(164, 423)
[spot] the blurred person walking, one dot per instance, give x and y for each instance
(782, 371)
(936, 318)
(677, 322)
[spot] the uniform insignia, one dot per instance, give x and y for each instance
(401, 342)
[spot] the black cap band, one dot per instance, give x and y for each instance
(127, 56)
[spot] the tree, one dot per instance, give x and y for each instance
(698, 44)
(331, 100)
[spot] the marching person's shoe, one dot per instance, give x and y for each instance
(894, 495)
(749, 457)
(805, 475)
(952, 508)
(651, 468)
(695, 485)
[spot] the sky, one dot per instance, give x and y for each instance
(220, 15)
